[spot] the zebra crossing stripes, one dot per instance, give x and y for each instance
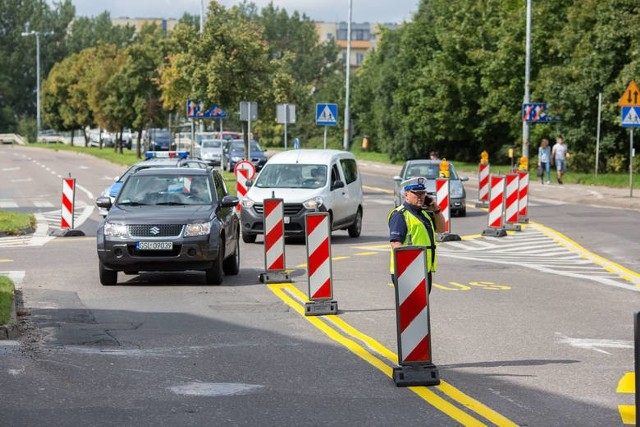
(541, 249)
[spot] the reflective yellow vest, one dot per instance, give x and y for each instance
(419, 235)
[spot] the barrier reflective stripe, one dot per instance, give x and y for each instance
(242, 175)
(442, 199)
(274, 234)
(496, 203)
(319, 255)
(511, 198)
(523, 196)
(412, 300)
(483, 182)
(68, 200)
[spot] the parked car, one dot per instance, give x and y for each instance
(307, 181)
(162, 159)
(430, 169)
(235, 152)
(170, 219)
(157, 139)
(211, 151)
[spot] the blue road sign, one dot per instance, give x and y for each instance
(326, 114)
(631, 117)
(535, 113)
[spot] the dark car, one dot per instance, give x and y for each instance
(235, 153)
(164, 159)
(430, 169)
(159, 140)
(170, 219)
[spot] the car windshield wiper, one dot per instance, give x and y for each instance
(171, 203)
(132, 204)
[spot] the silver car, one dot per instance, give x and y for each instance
(211, 151)
(430, 169)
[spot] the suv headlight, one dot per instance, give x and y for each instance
(236, 158)
(313, 204)
(247, 202)
(197, 229)
(116, 230)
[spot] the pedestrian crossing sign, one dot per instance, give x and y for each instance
(630, 117)
(326, 114)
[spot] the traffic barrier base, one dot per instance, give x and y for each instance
(482, 204)
(319, 308)
(426, 374)
(523, 220)
(448, 237)
(494, 232)
(67, 232)
(275, 277)
(511, 226)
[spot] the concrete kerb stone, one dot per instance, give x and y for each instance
(10, 330)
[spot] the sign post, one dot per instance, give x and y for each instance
(630, 103)
(248, 112)
(326, 115)
(286, 113)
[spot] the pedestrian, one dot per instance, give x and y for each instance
(559, 155)
(416, 222)
(544, 160)
(434, 156)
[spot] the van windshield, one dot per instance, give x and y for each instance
(292, 176)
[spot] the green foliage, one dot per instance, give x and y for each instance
(14, 223)
(7, 291)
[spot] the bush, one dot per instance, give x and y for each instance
(6, 298)
(28, 128)
(616, 163)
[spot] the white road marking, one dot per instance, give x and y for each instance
(215, 389)
(593, 343)
(6, 204)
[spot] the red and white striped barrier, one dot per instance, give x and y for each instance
(274, 259)
(320, 284)
(413, 323)
(483, 184)
(442, 199)
(68, 201)
(511, 202)
(496, 207)
(523, 197)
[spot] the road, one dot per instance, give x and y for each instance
(535, 328)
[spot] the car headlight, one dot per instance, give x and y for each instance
(247, 202)
(112, 229)
(236, 158)
(197, 229)
(457, 190)
(313, 204)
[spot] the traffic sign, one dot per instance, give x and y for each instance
(631, 96)
(631, 117)
(326, 114)
(534, 113)
(286, 113)
(246, 165)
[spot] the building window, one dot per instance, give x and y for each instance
(359, 58)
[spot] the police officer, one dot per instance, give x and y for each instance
(416, 222)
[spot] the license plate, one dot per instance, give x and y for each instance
(154, 246)
(287, 219)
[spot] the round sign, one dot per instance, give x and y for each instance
(246, 165)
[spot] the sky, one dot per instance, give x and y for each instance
(317, 10)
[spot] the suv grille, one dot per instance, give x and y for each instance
(290, 209)
(155, 230)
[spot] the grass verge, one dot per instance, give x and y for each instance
(7, 291)
(14, 223)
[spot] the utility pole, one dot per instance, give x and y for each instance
(345, 142)
(37, 34)
(527, 76)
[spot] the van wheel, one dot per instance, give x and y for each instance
(248, 237)
(355, 228)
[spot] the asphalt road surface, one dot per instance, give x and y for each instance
(534, 328)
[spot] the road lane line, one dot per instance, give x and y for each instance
(293, 297)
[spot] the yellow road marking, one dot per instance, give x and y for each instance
(627, 383)
(6, 260)
(286, 292)
(382, 190)
(628, 414)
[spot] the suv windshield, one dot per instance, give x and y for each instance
(292, 176)
(429, 171)
(211, 143)
(239, 146)
(166, 190)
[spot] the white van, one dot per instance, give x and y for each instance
(307, 181)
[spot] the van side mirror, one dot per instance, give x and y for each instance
(337, 184)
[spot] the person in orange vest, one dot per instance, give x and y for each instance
(416, 223)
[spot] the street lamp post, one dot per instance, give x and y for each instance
(37, 34)
(527, 74)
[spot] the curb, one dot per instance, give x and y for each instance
(10, 330)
